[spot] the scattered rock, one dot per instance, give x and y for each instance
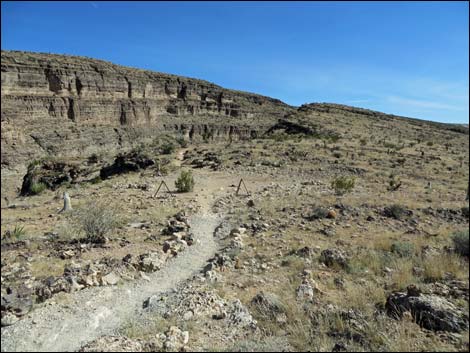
(114, 344)
(175, 339)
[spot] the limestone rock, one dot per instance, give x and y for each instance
(77, 107)
(334, 257)
(151, 262)
(429, 311)
(110, 279)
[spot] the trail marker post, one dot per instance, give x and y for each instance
(163, 183)
(239, 186)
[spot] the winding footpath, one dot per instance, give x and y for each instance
(98, 311)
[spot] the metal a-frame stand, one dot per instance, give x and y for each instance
(163, 183)
(239, 186)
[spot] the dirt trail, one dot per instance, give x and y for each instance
(97, 311)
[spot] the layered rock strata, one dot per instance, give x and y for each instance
(66, 106)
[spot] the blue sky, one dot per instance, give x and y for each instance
(405, 58)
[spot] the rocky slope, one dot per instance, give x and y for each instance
(57, 105)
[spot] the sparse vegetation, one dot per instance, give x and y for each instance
(394, 183)
(395, 211)
(168, 148)
(343, 184)
(17, 233)
(461, 242)
(348, 254)
(403, 249)
(317, 212)
(96, 221)
(185, 182)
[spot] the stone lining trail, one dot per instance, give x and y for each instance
(98, 311)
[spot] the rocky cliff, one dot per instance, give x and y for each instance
(65, 106)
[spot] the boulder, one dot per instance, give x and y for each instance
(334, 257)
(238, 315)
(150, 262)
(110, 279)
(176, 339)
(429, 311)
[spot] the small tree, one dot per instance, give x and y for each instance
(343, 184)
(185, 182)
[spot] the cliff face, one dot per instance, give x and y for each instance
(72, 106)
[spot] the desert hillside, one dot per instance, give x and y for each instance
(143, 211)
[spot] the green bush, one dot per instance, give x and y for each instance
(461, 242)
(182, 142)
(185, 182)
(168, 148)
(403, 249)
(37, 188)
(343, 184)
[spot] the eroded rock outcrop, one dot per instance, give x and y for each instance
(65, 106)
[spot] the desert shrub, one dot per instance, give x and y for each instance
(16, 233)
(369, 260)
(182, 142)
(343, 184)
(139, 149)
(37, 188)
(268, 305)
(207, 135)
(185, 181)
(403, 249)
(317, 212)
(93, 158)
(429, 143)
(395, 211)
(461, 242)
(394, 183)
(363, 142)
(34, 163)
(95, 221)
(168, 148)
(391, 145)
